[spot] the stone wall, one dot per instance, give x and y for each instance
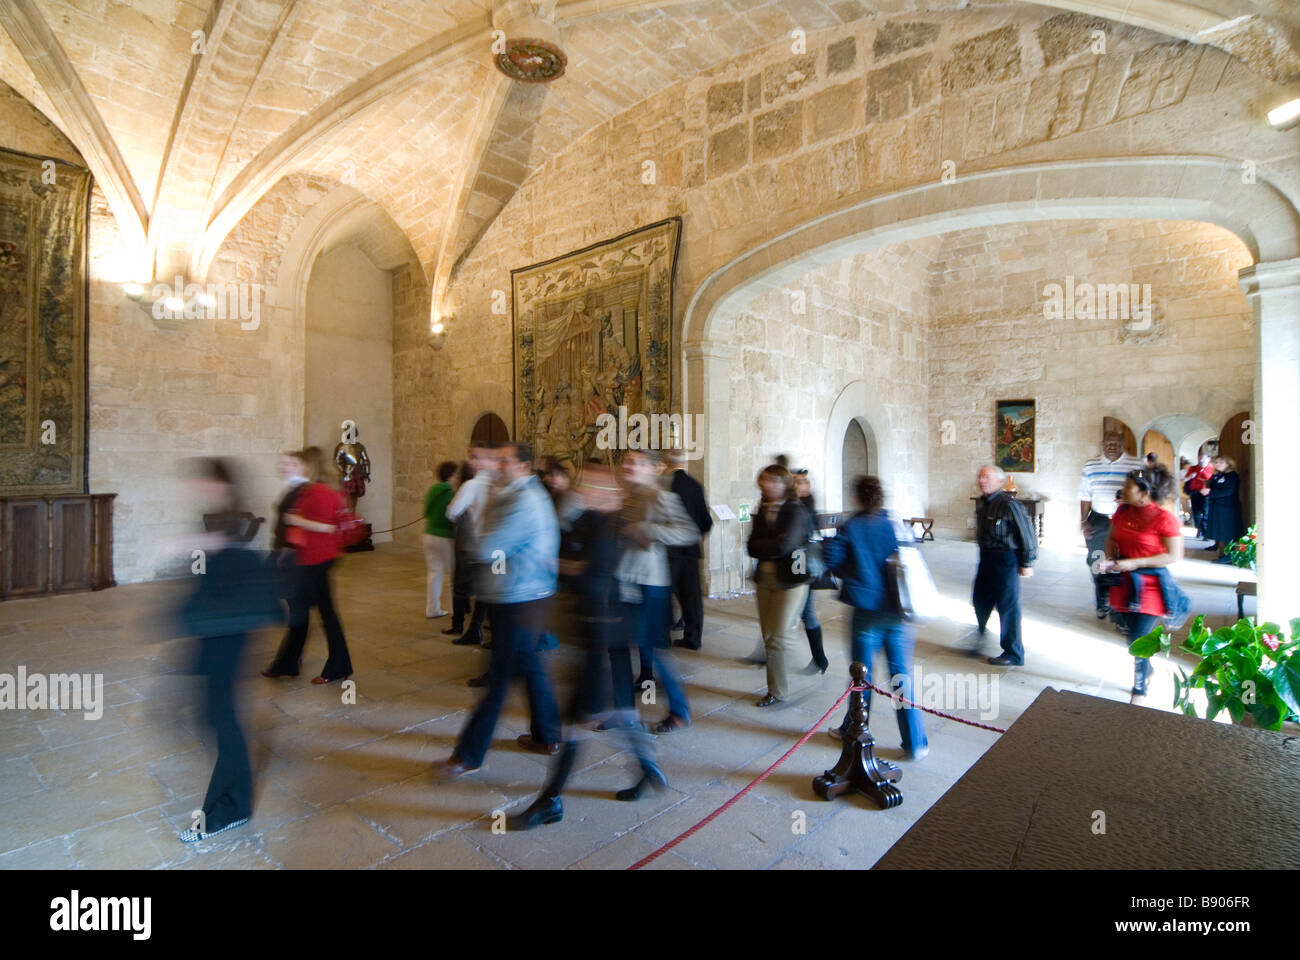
(775, 139)
(349, 366)
(990, 340)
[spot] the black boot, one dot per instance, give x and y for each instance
(819, 661)
(471, 636)
(545, 809)
(651, 777)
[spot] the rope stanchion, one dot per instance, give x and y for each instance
(866, 685)
(752, 784)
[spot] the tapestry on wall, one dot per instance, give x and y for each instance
(592, 336)
(42, 325)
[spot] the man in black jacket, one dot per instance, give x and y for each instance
(1008, 549)
(684, 562)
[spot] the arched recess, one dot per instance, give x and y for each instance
(1206, 189)
(489, 398)
(853, 405)
(1186, 432)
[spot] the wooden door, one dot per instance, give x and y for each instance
(1114, 423)
(491, 428)
(26, 547)
(1233, 443)
(1153, 441)
(72, 542)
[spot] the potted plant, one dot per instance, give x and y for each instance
(1250, 670)
(1241, 552)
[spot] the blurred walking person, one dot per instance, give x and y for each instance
(684, 560)
(653, 518)
(466, 511)
(778, 541)
(811, 625)
(517, 552)
(234, 595)
(589, 554)
(859, 553)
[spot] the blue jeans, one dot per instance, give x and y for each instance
(809, 615)
(516, 630)
(648, 623)
(871, 630)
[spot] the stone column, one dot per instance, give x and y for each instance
(707, 398)
(1273, 290)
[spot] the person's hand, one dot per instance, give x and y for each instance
(572, 568)
(638, 533)
(1086, 528)
(1026, 571)
(1123, 566)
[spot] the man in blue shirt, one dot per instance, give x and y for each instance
(518, 555)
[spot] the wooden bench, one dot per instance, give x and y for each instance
(1247, 588)
(927, 523)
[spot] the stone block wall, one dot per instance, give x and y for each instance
(990, 340)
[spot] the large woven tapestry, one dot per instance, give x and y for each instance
(42, 325)
(593, 334)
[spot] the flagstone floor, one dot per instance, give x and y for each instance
(347, 785)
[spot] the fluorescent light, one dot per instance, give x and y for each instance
(133, 290)
(1285, 114)
(437, 326)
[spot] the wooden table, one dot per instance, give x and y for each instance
(1176, 793)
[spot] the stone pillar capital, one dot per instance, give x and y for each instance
(1276, 276)
(708, 351)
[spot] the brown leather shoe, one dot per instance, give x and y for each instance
(526, 741)
(451, 769)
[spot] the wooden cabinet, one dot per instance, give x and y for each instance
(55, 544)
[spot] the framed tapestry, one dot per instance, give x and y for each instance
(43, 213)
(1013, 444)
(593, 334)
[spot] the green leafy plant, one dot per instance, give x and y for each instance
(1244, 668)
(1241, 552)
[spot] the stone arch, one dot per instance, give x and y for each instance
(486, 398)
(852, 405)
(1171, 188)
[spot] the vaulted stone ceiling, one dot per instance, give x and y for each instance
(188, 111)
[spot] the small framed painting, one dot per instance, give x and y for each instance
(1013, 443)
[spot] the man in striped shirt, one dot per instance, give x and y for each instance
(1099, 488)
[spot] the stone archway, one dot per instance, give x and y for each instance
(851, 408)
(1203, 189)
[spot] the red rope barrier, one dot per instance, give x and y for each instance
(752, 784)
(897, 698)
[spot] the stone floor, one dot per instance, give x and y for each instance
(347, 785)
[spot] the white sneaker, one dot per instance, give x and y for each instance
(191, 836)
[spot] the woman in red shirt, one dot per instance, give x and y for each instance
(312, 531)
(1143, 533)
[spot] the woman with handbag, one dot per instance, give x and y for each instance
(312, 529)
(860, 555)
(821, 579)
(1144, 539)
(778, 541)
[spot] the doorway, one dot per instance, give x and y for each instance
(853, 460)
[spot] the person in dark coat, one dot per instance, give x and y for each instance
(684, 562)
(234, 592)
(1223, 501)
(811, 625)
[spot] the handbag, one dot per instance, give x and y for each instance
(910, 588)
(821, 577)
